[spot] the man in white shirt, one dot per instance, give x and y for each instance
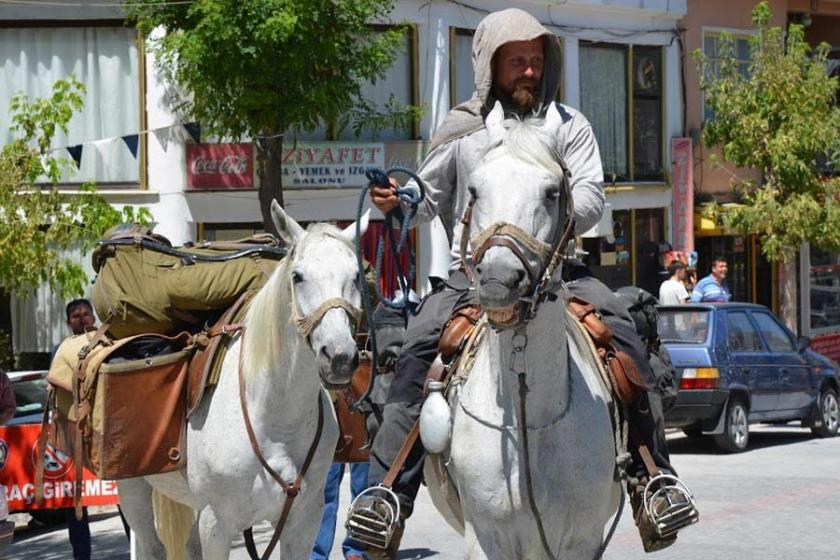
(672, 291)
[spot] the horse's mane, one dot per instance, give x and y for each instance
(526, 141)
(271, 308)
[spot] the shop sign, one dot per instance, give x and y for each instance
(330, 164)
(220, 166)
(19, 447)
(683, 193)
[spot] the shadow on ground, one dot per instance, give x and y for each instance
(50, 542)
(416, 553)
(774, 436)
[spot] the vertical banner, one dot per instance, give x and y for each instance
(682, 173)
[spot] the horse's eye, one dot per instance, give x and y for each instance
(552, 194)
(297, 277)
(473, 192)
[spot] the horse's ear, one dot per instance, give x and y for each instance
(495, 124)
(553, 122)
(349, 233)
(287, 228)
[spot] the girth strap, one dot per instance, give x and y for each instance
(291, 490)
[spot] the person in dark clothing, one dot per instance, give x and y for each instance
(517, 63)
(80, 318)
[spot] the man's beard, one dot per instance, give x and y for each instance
(523, 96)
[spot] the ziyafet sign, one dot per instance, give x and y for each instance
(220, 166)
(18, 451)
(330, 164)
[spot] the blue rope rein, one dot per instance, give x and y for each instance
(412, 198)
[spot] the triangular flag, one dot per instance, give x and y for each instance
(195, 131)
(163, 135)
(76, 154)
(131, 142)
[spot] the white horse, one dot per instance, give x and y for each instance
(283, 369)
(569, 432)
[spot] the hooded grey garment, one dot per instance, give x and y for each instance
(461, 141)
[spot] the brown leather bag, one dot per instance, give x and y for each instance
(352, 425)
(628, 384)
(456, 330)
(125, 418)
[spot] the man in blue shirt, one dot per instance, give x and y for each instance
(713, 288)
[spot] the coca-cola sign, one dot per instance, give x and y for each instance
(220, 166)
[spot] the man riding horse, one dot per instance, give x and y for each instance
(517, 62)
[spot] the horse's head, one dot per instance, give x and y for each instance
(519, 211)
(325, 299)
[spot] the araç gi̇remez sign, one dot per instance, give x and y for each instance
(330, 164)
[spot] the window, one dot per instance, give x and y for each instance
(399, 81)
(689, 326)
(825, 289)
(713, 50)
(777, 338)
(461, 74)
(742, 335)
(625, 110)
(105, 59)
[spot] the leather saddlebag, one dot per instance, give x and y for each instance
(123, 413)
(353, 438)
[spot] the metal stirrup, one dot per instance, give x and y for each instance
(669, 504)
(373, 516)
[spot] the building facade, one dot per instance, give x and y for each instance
(622, 67)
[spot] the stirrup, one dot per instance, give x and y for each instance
(669, 504)
(374, 516)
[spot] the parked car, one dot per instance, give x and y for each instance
(737, 364)
(30, 389)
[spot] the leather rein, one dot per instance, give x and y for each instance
(522, 244)
(304, 326)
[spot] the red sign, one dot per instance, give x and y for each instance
(18, 450)
(683, 193)
(225, 166)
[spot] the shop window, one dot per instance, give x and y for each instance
(609, 258)
(461, 74)
(714, 51)
(825, 290)
(649, 234)
(625, 108)
(105, 60)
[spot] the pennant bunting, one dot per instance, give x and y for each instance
(131, 141)
(163, 135)
(76, 153)
(195, 131)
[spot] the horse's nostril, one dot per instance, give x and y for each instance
(520, 276)
(479, 269)
(325, 354)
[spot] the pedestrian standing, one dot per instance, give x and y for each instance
(713, 288)
(351, 549)
(672, 291)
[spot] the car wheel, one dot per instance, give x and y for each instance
(736, 431)
(828, 414)
(693, 432)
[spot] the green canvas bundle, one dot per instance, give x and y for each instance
(144, 285)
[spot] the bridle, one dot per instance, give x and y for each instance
(549, 256)
(306, 323)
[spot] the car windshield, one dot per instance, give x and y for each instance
(688, 326)
(30, 396)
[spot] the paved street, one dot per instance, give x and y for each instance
(778, 501)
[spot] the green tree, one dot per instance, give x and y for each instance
(37, 223)
(261, 68)
(780, 118)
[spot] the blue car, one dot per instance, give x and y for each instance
(737, 364)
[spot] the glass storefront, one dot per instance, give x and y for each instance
(825, 290)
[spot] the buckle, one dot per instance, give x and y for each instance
(373, 516)
(669, 504)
